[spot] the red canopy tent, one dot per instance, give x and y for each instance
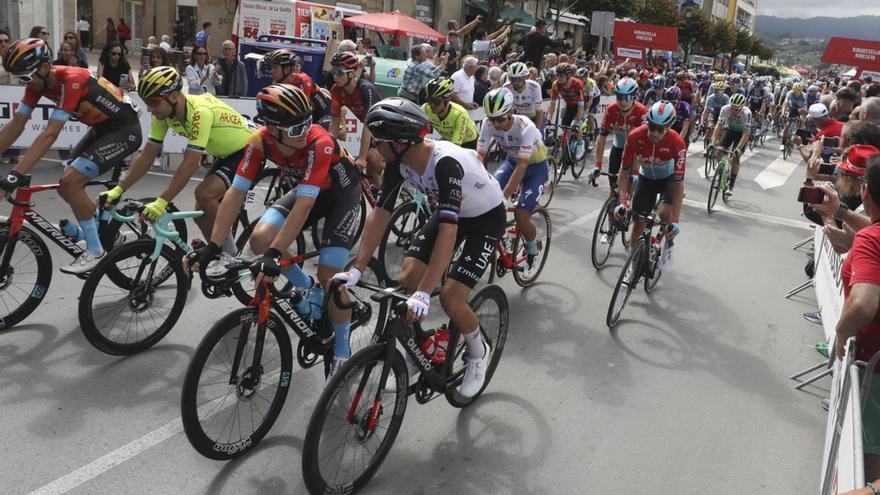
(394, 23)
(800, 69)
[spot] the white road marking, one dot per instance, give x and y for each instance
(786, 222)
(775, 174)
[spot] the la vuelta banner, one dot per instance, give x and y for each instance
(258, 17)
(847, 51)
(635, 35)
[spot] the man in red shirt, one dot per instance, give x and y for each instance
(124, 32)
(826, 139)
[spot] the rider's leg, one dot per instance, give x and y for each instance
(734, 170)
(73, 191)
(614, 160)
(266, 230)
(332, 261)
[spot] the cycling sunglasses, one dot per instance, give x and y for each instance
(516, 79)
(436, 102)
(27, 78)
(337, 72)
(625, 97)
(299, 130)
(498, 120)
(659, 129)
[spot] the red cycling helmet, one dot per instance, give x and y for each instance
(345, 61)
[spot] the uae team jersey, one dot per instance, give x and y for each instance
(621, 123)
(79, 96)
(211, 127)
(656, 161)
(522, 141)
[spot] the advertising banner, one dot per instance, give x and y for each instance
(258, 17)
(645, 36)
(847, 51)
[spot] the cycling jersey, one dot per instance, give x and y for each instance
(211, 127)
(688, 88)
(812, 99)
(651, 96)
(758, 95)
(683, 113)
(592, 89)
(715, 104)
(454, 177)
(456, 127)
(619, 123)
(528, 101)
(705, 86)
(796, 102)
(655, 161)
(79, 96)
(522, 141)
(572, 94)
(735, 122)
(359, 101)
(319, 97)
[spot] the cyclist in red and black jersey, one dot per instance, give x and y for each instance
(571, 90)
(328, 188)
(358, 95)
(285, 67)
(688, 88)
(620, 117)
(114, 133)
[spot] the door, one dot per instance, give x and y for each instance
(133, 13)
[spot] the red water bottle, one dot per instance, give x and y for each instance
(428, 347)
(441, 344)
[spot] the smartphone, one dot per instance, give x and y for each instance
(804, 135)
(811, 195)
(827, 169)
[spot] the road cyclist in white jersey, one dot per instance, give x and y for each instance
(470, 210)
(527, 99)
(525, 164)
(734, 128)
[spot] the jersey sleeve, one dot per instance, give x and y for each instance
(158, 130)
(580, 93)
(531, 141)
(201, 123)
(449, 174)
(252, 162)
(485, 138)
(391, 181)
(336, 105)
(319, 160)
(680, 158)
(536, 97)
(607, 119)
(72, 90)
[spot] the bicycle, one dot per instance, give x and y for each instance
(406, 220)
(30, 278)
(356, 420)
(787, 141)
(511, 255)
(642, 261)
(235, 359)
(561, 151)
(607, 227)
(720, 180)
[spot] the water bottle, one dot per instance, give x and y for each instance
(316, 301)
(435, 345)
(71, 230)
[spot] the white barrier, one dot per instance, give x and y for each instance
(827, 282)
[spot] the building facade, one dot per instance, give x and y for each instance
(742, 13)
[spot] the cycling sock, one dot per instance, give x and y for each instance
(296, 276)
(474, 341)
(90, 232)
(342, 348)
(229, 246)
(532, 246)
(732, 180)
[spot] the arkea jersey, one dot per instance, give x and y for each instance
(529, 100)
(456, 127)
(79, 96)
(621, 123)
(364, 96)
(522, 141)
(655, 161)
(211, 127)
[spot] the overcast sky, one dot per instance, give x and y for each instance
(812, 8)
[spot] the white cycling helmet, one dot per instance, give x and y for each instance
(517, 69)
(498, 102)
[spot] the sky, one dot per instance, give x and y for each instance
(813, 8)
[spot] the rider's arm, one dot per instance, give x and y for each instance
(11, 131)
(554, 97)
(518, 172)
(678, 181)
(192, 157)
(484, 140)
(604, 129)
(253, 161)
(744, 140)
(628, 166)
(449, 174)
(378, 219)
(539, 106)
(336, 124)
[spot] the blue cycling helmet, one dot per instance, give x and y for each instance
(662, 113)
(673, 94)
(626, 87)
(659, 82)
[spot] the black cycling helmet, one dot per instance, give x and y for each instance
(282, 56)
(26, 55)
(398, 120)
(283, 105)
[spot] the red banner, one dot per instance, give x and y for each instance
(846, 51)
(648, 36)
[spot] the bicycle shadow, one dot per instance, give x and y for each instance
(256, 460)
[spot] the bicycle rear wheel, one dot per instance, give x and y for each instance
(522, 273)
(709, 166)
(626, 282)
(490, 305)
(550, 183)
(353, 427)
(228, 402)
(606, 229)
(125, 320)
(406, 220)
(653, 271)
(26, 280)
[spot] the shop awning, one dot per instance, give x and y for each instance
(522, 17)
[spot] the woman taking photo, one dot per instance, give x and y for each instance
(200, 75)
(113, 67)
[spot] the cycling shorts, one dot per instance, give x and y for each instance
(480, 236)
(569, 114)
(224, 168)
(728, 139)
(532, 185)
(471, 145)
(594, 107)
(645, 195)
(105, 147)
(340, 207)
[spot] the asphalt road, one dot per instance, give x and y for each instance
(689, 394)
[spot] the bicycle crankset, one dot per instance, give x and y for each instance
(305, 356)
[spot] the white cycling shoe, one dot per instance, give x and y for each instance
(475, 374)
(84, 264)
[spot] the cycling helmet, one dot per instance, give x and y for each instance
(737, 100)
(346, 61)
(399, 120)
(517, 69)
(736, 80)
(26, 55)
(673, 94)
(719, 77)
(719, 86)
(582, 73)
(159, 81)
(283, 105)
(498, 102)
(626, 87)
(564, 69)
(704, 76)
(282, 56)
(659, 82)
(439, 87)
(798, 87)
(813, 88)
(632, 73)
(662, 113)
(643, 74)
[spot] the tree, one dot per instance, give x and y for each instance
(722, 38)
(742, 44)
(761, 50)
(693, 31)
(621, 8)
(660, 12)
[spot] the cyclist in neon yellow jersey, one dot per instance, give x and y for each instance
(210, 127)
(448, 118)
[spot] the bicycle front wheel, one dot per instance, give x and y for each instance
(353, 427)
(715, 187)
(626, 282)
(25, 281)
(603, 235)
(523, 274)
(578, 166)
(229, 402)
(125, 320)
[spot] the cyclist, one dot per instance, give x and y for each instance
(794, 106)
(683, 112)
(328, 188)
(358, 95)
(470, 210)
(733, 129)
(704, 88)
(655, 92)
(114, 133)
(592, 94)
(527, 98)
(285, 67)
(210, 127)
(525, 165)
(812, 95)
(448, 118)
(688, 88)
(759, 100)
(620, 117)
(714, 103)
(658, 155)
(570, 90)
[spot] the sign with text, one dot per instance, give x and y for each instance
(847, 51)
(646, 36)
(258, 17)
(622, 53)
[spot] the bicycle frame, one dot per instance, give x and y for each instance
(507, 258)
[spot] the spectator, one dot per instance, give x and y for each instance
(231, 71)
(179, 35)
(81, 54)
(872, 90)
(152, 42)
(417, 73)
(453, 55)
(828, 129)
(844, 102)
(452, 27)
(113, 66)
(203, 37)
(5, 77)
(481, 84)
(124, 34)
(860, 132)
(365, 47)
(533, 75)
(869, 110)
(40, 32)
(85, 35)
(489, 46)
(495, 76)
(200, 75)
(346, 45)
(463, 81)
(110, 36)
(67, 56)
(158, 58)
(165, 45)
(535, 42)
